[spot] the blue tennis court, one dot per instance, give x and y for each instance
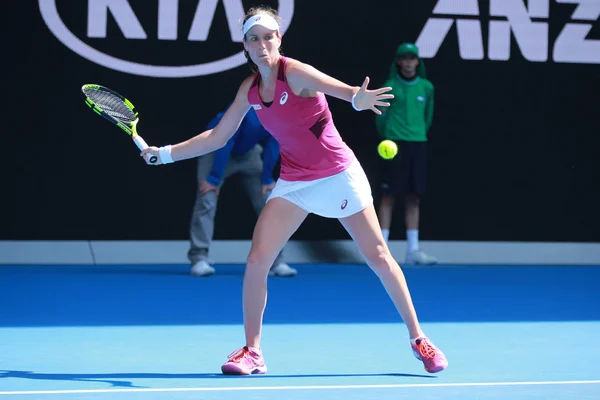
(156, 333)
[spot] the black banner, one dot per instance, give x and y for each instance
(513, 147)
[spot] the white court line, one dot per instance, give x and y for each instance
(249, 388)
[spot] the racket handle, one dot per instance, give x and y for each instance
(142, 145)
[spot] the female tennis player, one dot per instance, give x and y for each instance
(319, 174)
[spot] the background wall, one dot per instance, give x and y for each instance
(514, 144)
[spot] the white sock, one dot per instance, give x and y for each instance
(254, 349)
(414, 341)
(386, 234)
(412, 238)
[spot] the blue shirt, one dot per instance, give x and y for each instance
(248, 135)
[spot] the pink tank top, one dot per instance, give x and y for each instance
(310, 145)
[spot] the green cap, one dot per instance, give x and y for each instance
(407, 48)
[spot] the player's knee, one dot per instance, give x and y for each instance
(380, 260)
(259, 258)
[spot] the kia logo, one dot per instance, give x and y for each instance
(167, 21)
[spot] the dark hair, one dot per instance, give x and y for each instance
(251, 13)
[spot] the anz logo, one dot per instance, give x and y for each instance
(167, 23)
(528, 24)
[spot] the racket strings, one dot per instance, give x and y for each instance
(111, 105)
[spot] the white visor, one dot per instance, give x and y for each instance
(263, 20)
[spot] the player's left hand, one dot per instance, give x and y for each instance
(366, 99)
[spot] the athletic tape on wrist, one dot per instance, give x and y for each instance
(165, 154)
(353, 103)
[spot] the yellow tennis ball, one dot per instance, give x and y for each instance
(387, 149)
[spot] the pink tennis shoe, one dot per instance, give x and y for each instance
(433, 359)
(248, 362)
(244, 362)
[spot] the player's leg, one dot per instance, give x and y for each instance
(277, 222)
(251, 180)
(363, 227)
(202, 222)
(415, 189)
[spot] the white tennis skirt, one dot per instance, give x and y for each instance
(336, 196)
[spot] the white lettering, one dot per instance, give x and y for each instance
(123, 14)
(531, 37)
(234, 11)
(457, 7)
(571, 45)
(587, 10)
(470, 40)
(432, 36)
(167, 30)
(168, 11)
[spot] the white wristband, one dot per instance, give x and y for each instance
(165, 154)
(353, 104)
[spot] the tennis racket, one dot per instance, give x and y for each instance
(116, 109)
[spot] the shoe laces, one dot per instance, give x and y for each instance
(426, 349)
(238, 354)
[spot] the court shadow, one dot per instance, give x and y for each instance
(320, 294)
(114, 379)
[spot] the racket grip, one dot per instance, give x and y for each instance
(141, 144)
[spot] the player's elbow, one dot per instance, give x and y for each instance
(220, 143)
(219, 140)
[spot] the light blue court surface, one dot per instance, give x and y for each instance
(156, 333)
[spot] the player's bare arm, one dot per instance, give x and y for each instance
(210, 140)
(304, 78)
(217, 137)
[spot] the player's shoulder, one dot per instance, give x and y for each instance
(247, 83)
(292, 63)
(292, 67)
(245, 86)
(295, 67)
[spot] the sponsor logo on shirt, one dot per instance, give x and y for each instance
(283, 98)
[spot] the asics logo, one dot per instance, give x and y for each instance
(284, 97)
(344, 204)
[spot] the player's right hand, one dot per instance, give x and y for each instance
(146, 154)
